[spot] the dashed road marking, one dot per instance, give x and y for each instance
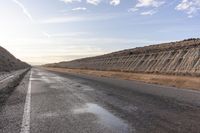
(25, 128)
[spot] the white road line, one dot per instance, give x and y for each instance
(25, 128)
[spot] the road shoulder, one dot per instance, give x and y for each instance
(12, 106)
(186, 82)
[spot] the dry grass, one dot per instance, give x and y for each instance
(168, 80)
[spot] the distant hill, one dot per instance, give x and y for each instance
(9, 63)
(180, 58)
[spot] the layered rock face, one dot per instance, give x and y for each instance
(178, 58)
(9, 63)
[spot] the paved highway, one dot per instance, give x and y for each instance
(51, 102)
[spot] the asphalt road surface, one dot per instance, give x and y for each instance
(51, 102)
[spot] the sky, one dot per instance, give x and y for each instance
(47, 31)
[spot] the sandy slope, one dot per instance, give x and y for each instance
(9, 63)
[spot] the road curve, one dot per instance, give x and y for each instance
(51, 102)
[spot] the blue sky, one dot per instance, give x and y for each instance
(45, 31)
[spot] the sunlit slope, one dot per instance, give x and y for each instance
(180, 58)
(9, 63)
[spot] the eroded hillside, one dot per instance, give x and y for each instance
(180, 58)
(9, 63)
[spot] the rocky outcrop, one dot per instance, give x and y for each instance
(179, 58)
(9, 63)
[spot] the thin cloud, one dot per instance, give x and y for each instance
(143, 4)
(25, 11)
(190, 7)
(133, 9)
(70, 1)
(150, 12)
(67, 19)
(149, 3)
(79, 9)
(114, 2)
(94, 2)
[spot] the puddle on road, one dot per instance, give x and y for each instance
(106, 118)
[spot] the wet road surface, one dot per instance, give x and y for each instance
(51, 102)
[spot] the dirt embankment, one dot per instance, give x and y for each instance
(172, 64)
(175, 58)
(9, 63)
